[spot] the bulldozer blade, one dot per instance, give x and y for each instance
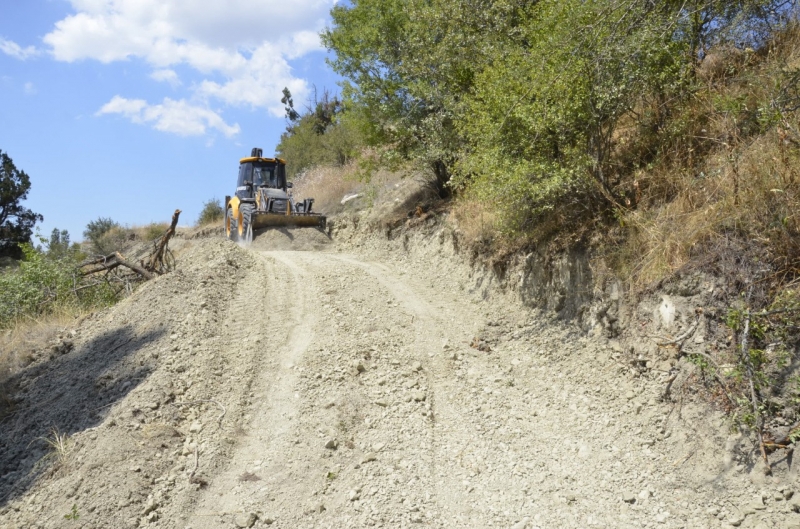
(268, 220)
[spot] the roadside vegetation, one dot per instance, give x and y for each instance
(665, 136)
(211, 212)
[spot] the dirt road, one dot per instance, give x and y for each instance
(327, 389)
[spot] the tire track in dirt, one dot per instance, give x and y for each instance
(272, 319)
(434, 336)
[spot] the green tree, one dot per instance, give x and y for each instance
(408, 64)
(97, 233)
(16, 221)
(211, 212)
(324, 135)
(59, 246)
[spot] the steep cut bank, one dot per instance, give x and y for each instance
(376, 382)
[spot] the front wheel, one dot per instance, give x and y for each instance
(231, 224)
(246, 226)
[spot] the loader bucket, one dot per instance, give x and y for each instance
(268, 220)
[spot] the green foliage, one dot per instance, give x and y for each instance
(322, 136)
(59, 246)
(16, 221)
(73, 514)
(519, 103)
(45, 283)
(100, 234)
(212, 212)
(542, 117)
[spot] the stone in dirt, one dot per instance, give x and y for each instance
(246, 520)
(522, 524)
(627, 497)
(332, 444)
(419, 396)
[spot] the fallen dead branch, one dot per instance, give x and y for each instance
(158, 261)
(110, 262)
(786, 442)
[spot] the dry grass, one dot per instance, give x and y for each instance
(476, 222)
(19, 343)
(327, 186)
(59, 447)
(727, 176)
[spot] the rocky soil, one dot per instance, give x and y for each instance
(360, 383)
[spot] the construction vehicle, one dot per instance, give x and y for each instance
(264, 199)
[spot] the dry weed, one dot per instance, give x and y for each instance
(327, 186)
(59, 447)
(751, 194)
(728, 174)
(476, 221)
(19, 343)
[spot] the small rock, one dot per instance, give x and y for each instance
(150, 506)
(332, 444)
(627, 497)
(419, 396)
(629, 395)
(382, 402)
(735, 519)
(645, 494)
(368, 457)
(416, 366)
(195, 427)
(522, 524)
(353, 496)
(360, 367)
(246, 521)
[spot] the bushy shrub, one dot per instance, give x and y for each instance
(212, 212)
(100, 237)
(43, 284)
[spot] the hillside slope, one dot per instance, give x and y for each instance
(330, 389)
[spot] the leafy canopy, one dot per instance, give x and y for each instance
(16, 221)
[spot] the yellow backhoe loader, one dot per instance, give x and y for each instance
(263, 199)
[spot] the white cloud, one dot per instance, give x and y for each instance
(257, 83)
(15, 50)
(177, 117)
(29, 88)
(166, 75)
(241, 46)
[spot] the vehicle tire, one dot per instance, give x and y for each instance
(246, 227)
(231, 232)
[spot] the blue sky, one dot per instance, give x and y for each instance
(131, 108)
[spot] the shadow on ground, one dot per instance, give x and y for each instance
(66, 395)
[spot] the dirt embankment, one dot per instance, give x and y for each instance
(364, 383)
